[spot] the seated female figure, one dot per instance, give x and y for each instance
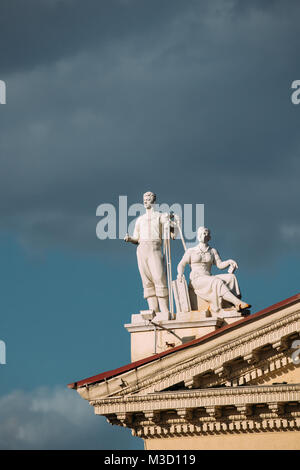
(213, 289)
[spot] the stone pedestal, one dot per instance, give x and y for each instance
(148, 338)
(231, 316)
(163, 332)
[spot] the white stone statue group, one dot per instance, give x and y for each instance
(148, 235)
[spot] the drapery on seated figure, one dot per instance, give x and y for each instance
(213, 289)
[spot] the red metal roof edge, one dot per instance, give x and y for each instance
(133, 365)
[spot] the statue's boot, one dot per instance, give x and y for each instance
(153, 303)
(243, 306)
(239, 305)
(163, 304)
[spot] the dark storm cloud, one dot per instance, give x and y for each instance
(190, 99)
(36, 32)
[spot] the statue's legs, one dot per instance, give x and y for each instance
(239, 304)
(230, 297)
(231, 282)
(163, 304)
(142, 258)
(153, 303)
(156, 267)
(214, 289)
(153, 276)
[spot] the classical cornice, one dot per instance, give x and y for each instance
(225, 396)
(212, 411)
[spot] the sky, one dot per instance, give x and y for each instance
(189, 99)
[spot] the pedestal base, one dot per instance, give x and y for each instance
(160, 333)
(148, 338)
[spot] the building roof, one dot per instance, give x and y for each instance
(220, 331)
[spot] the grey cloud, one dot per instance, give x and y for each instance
(55, 418)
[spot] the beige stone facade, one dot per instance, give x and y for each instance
(236, 387)
(247, 441)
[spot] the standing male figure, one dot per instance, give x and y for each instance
(148, 235)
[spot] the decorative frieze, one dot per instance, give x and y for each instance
(245, 410)
(281, 344)
(276, 408)
(252, 357)
(185, 413)
(215, 420)
(217, 427)
(153, 416)
(192, 382)
(214, 411)
(223, 371)
(125, 419)
(206, 412)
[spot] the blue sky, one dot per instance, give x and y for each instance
(64, 320)
(105, 98)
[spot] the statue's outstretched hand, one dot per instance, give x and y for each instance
(232, 265)
(180, 277)
(128, 238)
